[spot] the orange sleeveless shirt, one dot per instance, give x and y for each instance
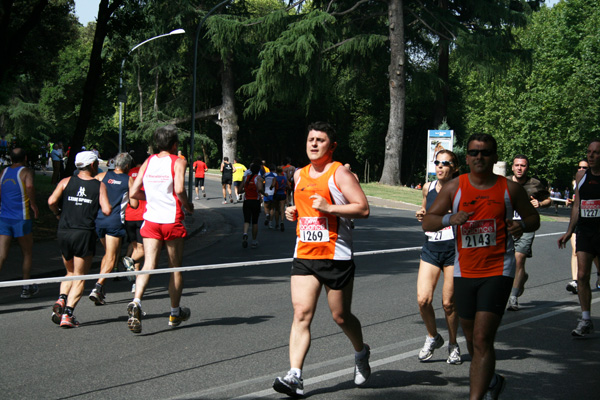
(484, 247)
(321, 236)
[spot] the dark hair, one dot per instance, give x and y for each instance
(256, 165)
(323, 127)
(17, 155)
(165, 137)
(521, 157)
(453, 158)
(226, 159)
(483, 137)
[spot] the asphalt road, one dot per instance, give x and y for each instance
(235, 342)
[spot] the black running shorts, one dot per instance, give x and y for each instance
(588, 241)
(335, 274)
(251, 209)
(133, 231)
(481, 294)
(76, 243)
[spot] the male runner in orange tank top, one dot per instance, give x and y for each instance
(326, 197)
(484, 269)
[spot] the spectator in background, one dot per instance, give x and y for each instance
(57, 162)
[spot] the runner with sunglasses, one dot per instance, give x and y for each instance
(437, 255)
(539, 198)
(482, 205)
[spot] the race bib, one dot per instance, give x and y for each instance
(480, 233)
(314, 229)
(590, 208)
(442, 235)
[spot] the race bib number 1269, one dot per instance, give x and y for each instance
(314, 229)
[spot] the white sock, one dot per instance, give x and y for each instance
(175, 311)
(297, 372)
(586, 315)
(138, 301)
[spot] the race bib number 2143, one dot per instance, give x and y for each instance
(481, 233)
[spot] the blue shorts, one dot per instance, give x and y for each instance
(440, 259)
(15, 227)
(268, 198)
(116, 232)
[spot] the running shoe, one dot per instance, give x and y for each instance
(230, 199)
(68, 321)
(598, 282)
(454, 354)
(197, 198)
(203, 194)
(224, 201)
(133, 288)
(522, 288)
(57, 311)
(134, 310)
(572, 287)
(266, 220)
(29, 291)
(290, 385)
(98, 296)
(584, 327)
(184, 315)
(129, 265)
(513, 304)
(362, 369)
(494, 392)
(244, 240)
(254, 244)
(282, 227)
(430, 345)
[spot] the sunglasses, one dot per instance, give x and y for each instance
(443, 163)
(581, 167)
(484, 152)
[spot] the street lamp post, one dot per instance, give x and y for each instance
(191, 173)
(122, 92)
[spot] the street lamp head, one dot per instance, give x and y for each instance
(177, 32)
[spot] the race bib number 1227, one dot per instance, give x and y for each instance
(590, 208)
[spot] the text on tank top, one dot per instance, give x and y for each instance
(117, 191)
(80, 204)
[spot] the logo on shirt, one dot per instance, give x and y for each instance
(81, 192)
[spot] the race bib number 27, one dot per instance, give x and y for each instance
(314, 229)
(480, 233)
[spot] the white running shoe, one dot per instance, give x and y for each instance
(430, 345)
(513, 304)
(362, 369)
(290, 385)
(584, 327)
(454, 357)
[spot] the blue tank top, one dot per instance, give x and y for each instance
(281, 184)
(117, 190)
(15, 202)
(442, 240)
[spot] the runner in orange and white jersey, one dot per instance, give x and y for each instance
(326, 197)
(482, 204)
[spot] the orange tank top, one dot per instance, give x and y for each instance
(321, 236)
(483, 246)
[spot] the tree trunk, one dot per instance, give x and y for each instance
(395, 134)
(441, 106)
(227, 115)
(140, 95)
(156, 92)
(92, 80)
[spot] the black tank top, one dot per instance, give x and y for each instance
(589, 206)
(80, 204)
(438, 241)
(227, 170)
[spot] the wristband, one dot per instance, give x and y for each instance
(446, 220)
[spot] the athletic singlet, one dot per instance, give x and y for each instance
(321, 236)
(162, 204)
(200, 168)
(227, 171)
(281, 184)
(483, 246)
(589, 197)
(135, 214)
(250, 188)
(80, 204)
(269, 178)
(117, 190)
(15, 202)
(442, 240)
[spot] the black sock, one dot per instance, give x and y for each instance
(63, 296)
(69, 311)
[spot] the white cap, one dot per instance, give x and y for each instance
(85, 158)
